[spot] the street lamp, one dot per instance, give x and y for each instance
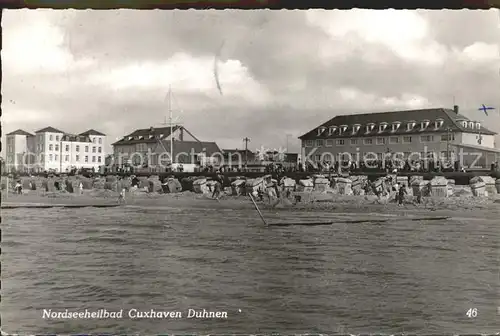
(448, 138)
(247, 140)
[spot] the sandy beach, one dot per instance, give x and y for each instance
(482, 206)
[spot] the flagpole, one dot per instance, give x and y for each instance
(171, 127)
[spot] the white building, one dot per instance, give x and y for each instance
(19, 146)
(60, 152)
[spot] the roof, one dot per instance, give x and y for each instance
(236, 150)
(49, 129)
(75, 138)
(188, 146)
(449, 117)
(20, 132)
(486, 149)
(149, 135)
(92, 132)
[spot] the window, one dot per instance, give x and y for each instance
(141, 147)
(410, 126)
(464, 124)
(321, 130)
(329, 143)
(51, 137)
(471, 124)
(424, 124)
(9, 149)
(394, 140)
(77, 148)
(382, 127)
(99, 149)
(51, 147)
(100, 142)
(426, 138)
(99, 159)
(93, 140)
(380, 141)
(67, 148)
(343, 128)
(56, 147)
(66, 158)
(56, 157)
(93, 158)
(93, 149)
(86, 149)
(368, 141)
(407, 139)
(356, 128)
(317, 158)
(332, 130)
(478, 125)
(340, 142)
(354, 142)
(77, 158)
(57, 137)
(86, 158)
(448, 137)
(319, 143)
(439, 123)
(50, 157)
(395, 126)
(309, 143)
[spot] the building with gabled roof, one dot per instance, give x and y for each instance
(150, 148)
(51, 149)
(19, 145)
(436, 132)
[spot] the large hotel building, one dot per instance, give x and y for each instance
(50, 149)
(438, 132)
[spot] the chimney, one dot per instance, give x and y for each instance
(151, 128)
(181, 134)
(455, 109)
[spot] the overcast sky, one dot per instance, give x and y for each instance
(280, 72)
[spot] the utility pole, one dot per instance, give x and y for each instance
(247, 140)
(448, 135)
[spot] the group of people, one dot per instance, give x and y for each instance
(399, 188)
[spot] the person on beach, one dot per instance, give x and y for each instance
(18, 188)
(374, 189)
(217, 190)
(401, 193)
(121, 197)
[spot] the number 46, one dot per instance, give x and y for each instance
(472, 312)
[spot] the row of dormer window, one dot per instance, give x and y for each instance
(410, 126)
(470, 124)
(142, 137)
(407, 139)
